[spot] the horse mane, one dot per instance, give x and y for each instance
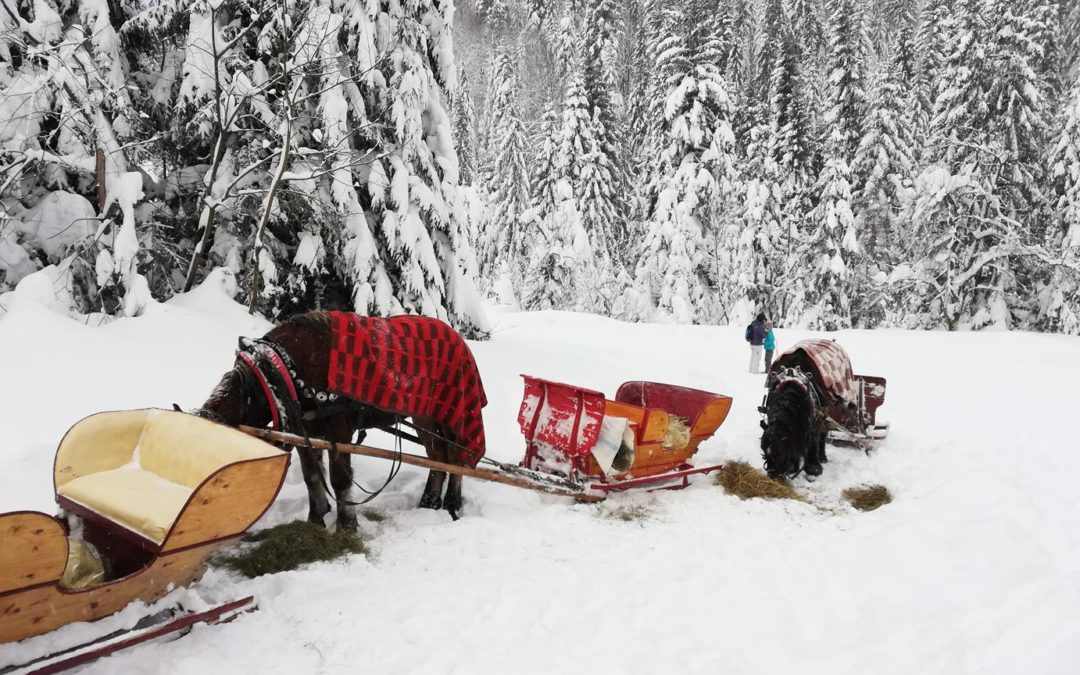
(788, 412)
(318, 323)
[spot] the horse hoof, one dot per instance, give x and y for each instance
(813, 470)
(347, 524)
(453, 504)
(453, 514)
(431, 502)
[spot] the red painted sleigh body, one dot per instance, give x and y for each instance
(562, 427)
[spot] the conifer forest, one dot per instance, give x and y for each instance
(831, 163)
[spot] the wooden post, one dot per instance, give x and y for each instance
(101, 181)
(417, 460)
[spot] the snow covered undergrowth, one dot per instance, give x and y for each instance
(975, 567)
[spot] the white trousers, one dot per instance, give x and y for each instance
(755, 358)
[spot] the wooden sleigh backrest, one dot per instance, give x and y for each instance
(178, 447)
(704, 411)
(233, 477)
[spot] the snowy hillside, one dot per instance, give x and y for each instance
(975, 567)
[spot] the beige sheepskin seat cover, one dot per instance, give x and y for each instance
(138, 468)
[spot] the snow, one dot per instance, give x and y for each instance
(975, 567)
(57, 221)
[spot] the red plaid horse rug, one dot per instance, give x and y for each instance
(832, 364)
(413, 366)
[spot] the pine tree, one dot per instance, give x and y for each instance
(695, 168)
(833, 244)
(789, 142)
(933, 39)
(809, 23)
(734, 33)
(774, 31)
(553, 279)
(65, 98)
(884, 165)
(1060, 301)
(963, 232)
(464, 117)
(504, 253)
(1069, 20)
(603, 173)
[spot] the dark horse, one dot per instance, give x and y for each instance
(793, 439)
(305, 339)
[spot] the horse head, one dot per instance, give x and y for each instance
(237, 399)
(785, 438)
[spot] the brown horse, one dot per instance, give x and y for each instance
(305, 340)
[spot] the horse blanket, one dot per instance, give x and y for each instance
(831, 363)
(415, 366)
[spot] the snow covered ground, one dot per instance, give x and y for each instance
(975, 567)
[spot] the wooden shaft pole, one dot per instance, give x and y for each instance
(415, 460)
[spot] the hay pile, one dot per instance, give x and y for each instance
(626, 514)
(744, 481)
(867, 497)
(287, 547)
(677, 435)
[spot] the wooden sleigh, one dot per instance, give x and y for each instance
(155, 492)
(622, 443)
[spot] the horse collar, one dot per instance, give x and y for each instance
(266, 362)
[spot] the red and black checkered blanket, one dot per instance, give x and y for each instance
(413, 366)
(832, 364)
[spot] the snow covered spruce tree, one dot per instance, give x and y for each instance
(417, 224)
(674, 264)
(561, 264)
(789, 140)
(883, 170)
(69, 192)
(977, 203)
(1060, 301)
(304, 144)
(832, 264)
(464, 119)
(503, 254)
(600, 163)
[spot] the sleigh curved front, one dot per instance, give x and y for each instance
(155, 493)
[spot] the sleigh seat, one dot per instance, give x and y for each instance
(139, 469)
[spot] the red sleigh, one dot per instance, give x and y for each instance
(646, 435)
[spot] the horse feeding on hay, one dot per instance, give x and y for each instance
(333, 375)
(813, 396)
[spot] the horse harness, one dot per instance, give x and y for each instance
(797, 377)
(291, 401)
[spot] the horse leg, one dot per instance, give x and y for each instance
(340, 430)
(311, 467)
(814, 451)
(432, 497)
(341, 479)
(453, 500)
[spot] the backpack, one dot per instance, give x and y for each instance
(746, 335)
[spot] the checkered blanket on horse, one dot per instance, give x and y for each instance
(413, 366)
(832, 364)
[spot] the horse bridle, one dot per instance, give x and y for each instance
(260, 365)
